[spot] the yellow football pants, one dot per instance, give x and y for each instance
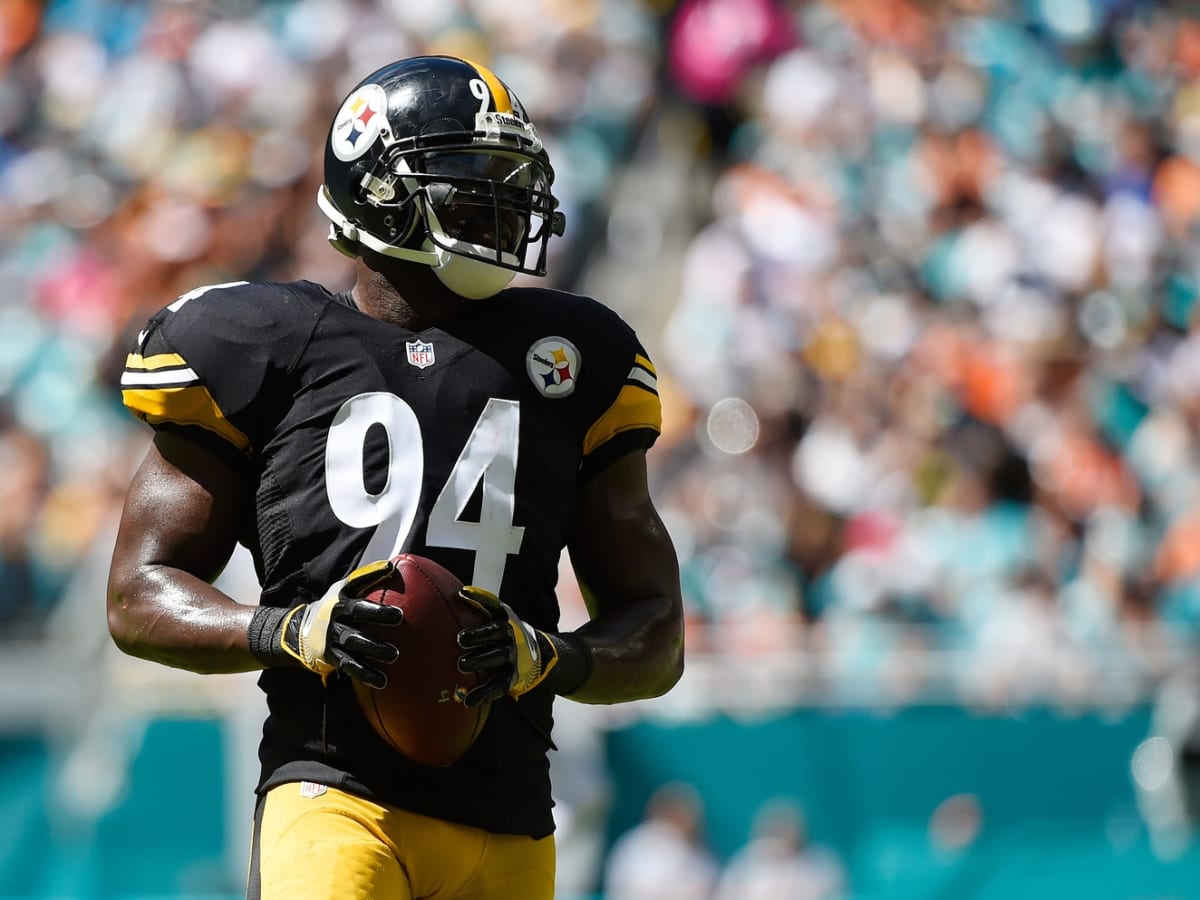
(314, 843)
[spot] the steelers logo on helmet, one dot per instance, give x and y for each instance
(553, 365)
(359, 122)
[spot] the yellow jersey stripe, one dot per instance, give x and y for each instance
(159, 370)
(640, 360)
(157, 361)
(635, 407)
(192, 405)
(499, 93)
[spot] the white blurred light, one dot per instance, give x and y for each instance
(888, 326)
(781, 230)
(897, 91)
(732, 425)
(85, 201)
(829, 466)
(73, 68)
(1132, 234)
(233, 57)
(1102, 319)
(1025, 315)
(35, 177)
(987, 259)
(1065, 242)
(1152, 763)
(1160, 447)
(175, 231)
(426, 19)
(1073, 19)
(799, 89)
(957, 96)
(314, 29)
(1112, 535)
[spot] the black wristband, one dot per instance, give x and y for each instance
(265, 637)
(574, 663)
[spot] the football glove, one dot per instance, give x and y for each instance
(325, 636)
(513, 656)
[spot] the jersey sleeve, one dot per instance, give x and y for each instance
(622, 411)
(632, 422)
(206, 362)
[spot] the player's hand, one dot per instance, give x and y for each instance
(325, 635)
(513, 656)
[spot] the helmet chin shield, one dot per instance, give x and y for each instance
(472, 278)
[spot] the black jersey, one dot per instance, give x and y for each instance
(465, 443)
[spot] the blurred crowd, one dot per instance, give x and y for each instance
(937, 345)
(931, 374)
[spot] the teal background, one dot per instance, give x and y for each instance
(1059, 808)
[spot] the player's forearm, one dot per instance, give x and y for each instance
(636, 652)
(174, 618)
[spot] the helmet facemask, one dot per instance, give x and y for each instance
(493, 206)
(478, 215)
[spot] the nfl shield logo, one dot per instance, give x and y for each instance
(420, 353)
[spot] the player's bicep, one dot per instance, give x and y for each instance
(177, 532)
(619, 547)
(181, 510)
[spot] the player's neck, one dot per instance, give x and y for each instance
(407, 295)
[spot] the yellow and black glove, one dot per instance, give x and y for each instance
(514, 656)
(326, 635)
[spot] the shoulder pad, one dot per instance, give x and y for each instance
(616, 383)
(203, 359)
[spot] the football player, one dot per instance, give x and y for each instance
(430, 409)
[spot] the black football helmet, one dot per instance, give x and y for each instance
(433, 159)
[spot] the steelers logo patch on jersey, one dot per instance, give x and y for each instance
(553, 365)
(358, 123)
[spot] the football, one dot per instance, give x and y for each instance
(420, 712)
